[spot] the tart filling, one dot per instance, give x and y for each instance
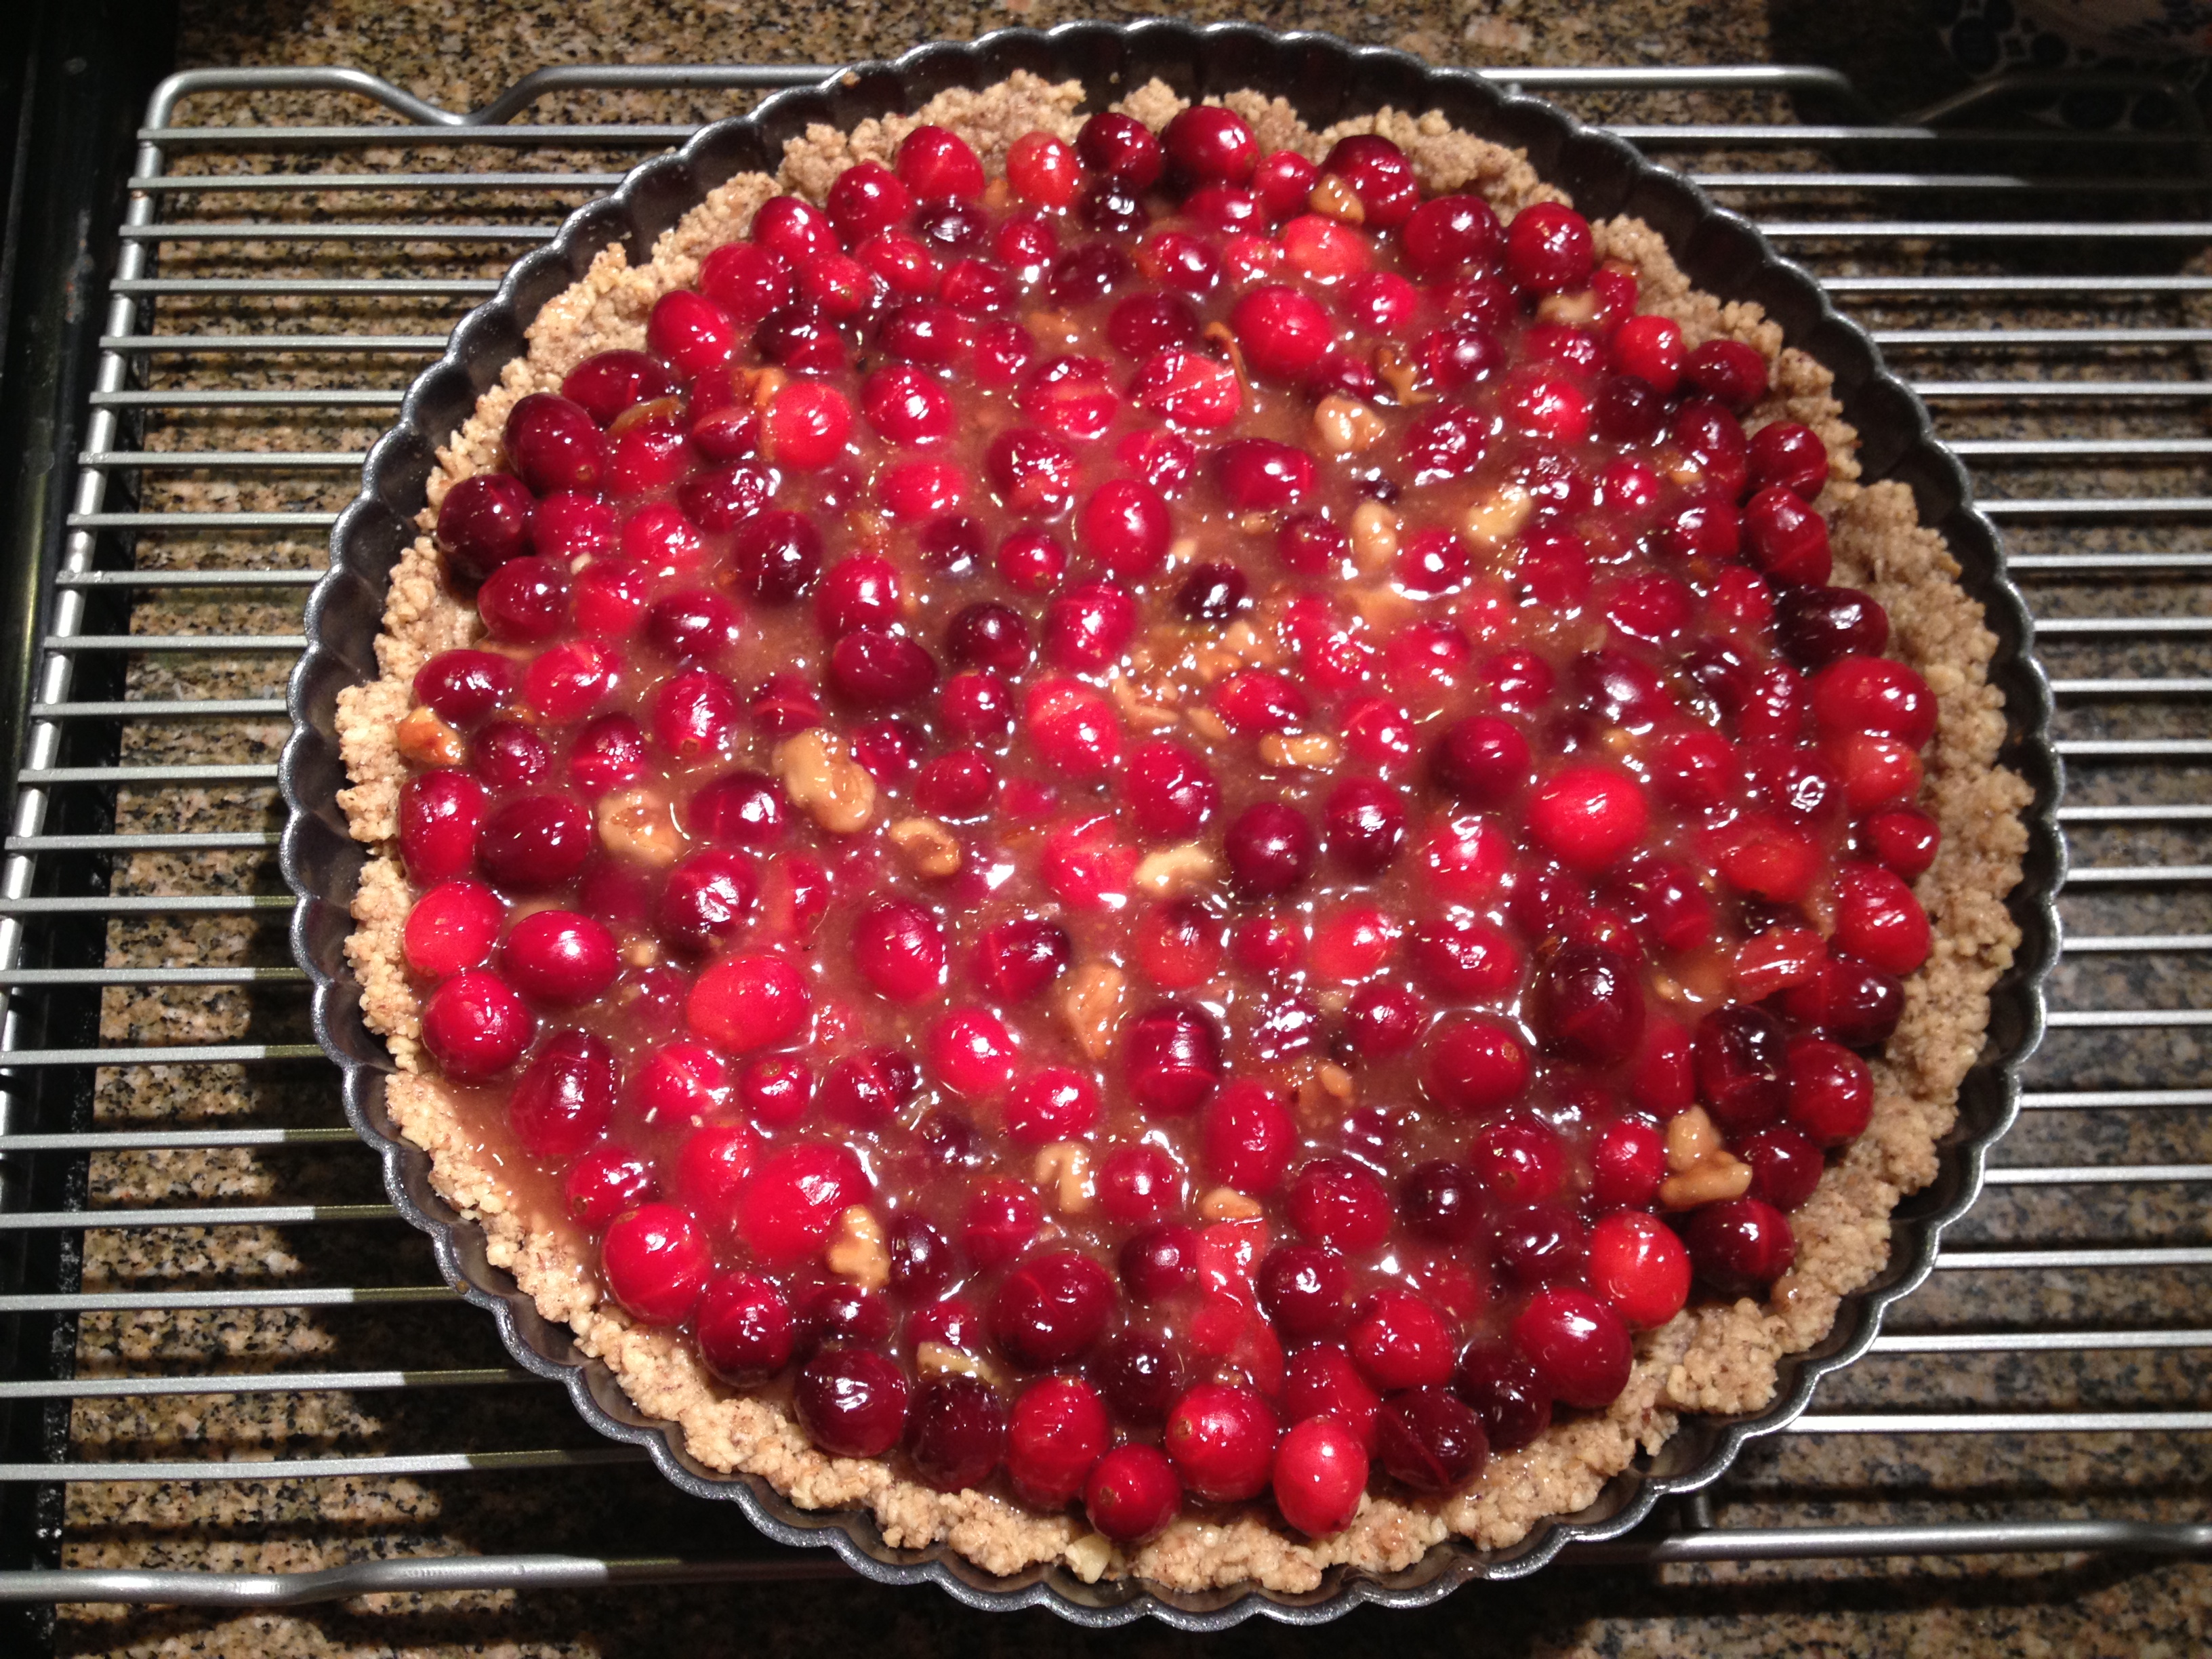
(1173, 844)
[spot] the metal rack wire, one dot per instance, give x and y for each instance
(281, 275)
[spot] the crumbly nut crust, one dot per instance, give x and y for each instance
(1709, 1358)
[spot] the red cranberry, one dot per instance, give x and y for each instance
(1379, 176)
(655, 1263)
(864, 1090)
(709, 898)
(1321, 1475)
(1171, 791)
(1207, 143)
(1476, 1066)
(559, 957)
(1578, 1346)
(1640, 1267)
(603, 1182)
(877, 668)
(1338, 1203)
(453, 926)
(1830, 1091)
(1015, 960)
(1548, 248)
(1088, 272)
(441, 819)
(1248, 1137)
(1222, 1439)
(1283, 331)
(743, 1328)
(1741, 1246)
(1441, 1200)
(484, 522)
(1854, 1002)
(1444, 442)
(1464, 956)
(1788, 539)
(1629, 1158)
(565, 1096)
(1137, 1183)
(1429, 1439)
(1321, 1380)
(801, 338)
(1520, 1161)
(1159, 1261)
(1742, 1067)
(1051, 1309)
(1447, 235)
(1057, 1431)
(1588, 816)
(1791, 455)
(1506, 1394)
(738, 809)
(1904, 838)
(1727, 371)
(900, 949)
(794, 1197)
(1089, 627)
(1269, 848)
(1033, 471)
(1125, 527)
(937, 166)
(524, 602)
(690, 332)
(475, 1026)
(1258, 475)
(1054, 1104)
(1171, 1054)
(1131, 1492)
(608, 383)
(921, 1265)
(851, 1402)
(1304, 1290)
(555, 444)
(1000, 1219)
(1121, 147)
(1878, 920)
(1401, 1341)
(465, 687)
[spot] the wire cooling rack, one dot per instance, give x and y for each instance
(215, 1323)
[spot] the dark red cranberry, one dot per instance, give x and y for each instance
(1727, 371)
(1786, 537)
(1270, 849)
(536, 844)
(606, 384)
(1785, 1166)
(525, 601)
(851, 1402)
(1088, 272)
(1590, 1005)
(1541, 1244)
(1503, 1390)
(1548, 248)
(709, 898)
(1791, 455)
(956, 1432)
(1741, 1246)
(1445, 442)
(743, 1328)
(878, 668)
(1442, 1200)
(1121, 147)
(988, 636)
(1365, 820)
(1482, 760)
(1430, 1439)
(1159, 1261)
(1628, 411)
(1902, 838)
(777, 556)
(1379, 176)
(921, 1259)
(1141, 1376)
(1258, 475)
(1821, 625)
(1742, 1066)
(1447, 234)
(833, 1311)
(1171, 1054)
(1306, 1291)
(1211, 593)
(1051, 1309)
(484, 522)
(564, 1096)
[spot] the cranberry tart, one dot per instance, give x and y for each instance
(1172, 844)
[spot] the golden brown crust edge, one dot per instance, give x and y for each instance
(1711, 1358)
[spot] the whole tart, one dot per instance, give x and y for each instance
(1174, 844)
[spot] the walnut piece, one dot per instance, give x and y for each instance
(1316, 751)
(832, 786)
(1347, 426)
(1227, 1204)
(928, 847)
(1065, 1166)
(426, 740)
(1092, 1001)
(1374, 536)
(855, 1250)
(1333, 198)
(1172, 870)
(1498, 518)
(637, 823)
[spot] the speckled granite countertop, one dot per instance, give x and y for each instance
(460, 52)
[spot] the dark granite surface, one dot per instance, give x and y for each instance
(460, 53)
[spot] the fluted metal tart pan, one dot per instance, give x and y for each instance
(1326, 80)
